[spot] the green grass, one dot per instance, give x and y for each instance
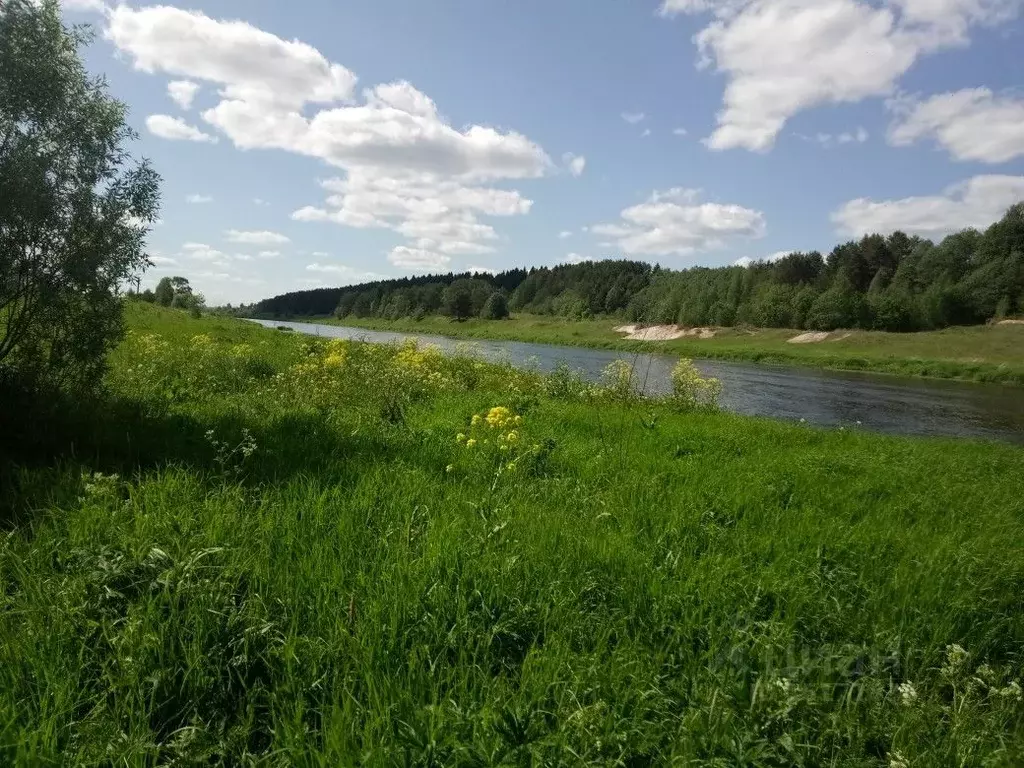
(977, 353)
(647, 587)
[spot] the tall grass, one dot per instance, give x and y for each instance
(268, 550)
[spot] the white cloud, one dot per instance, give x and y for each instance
(417, 259)
(646, 133)
(258, 201)
(481, 270)
(972, 124)
(675, 222)
(575, 258)
(198, 199)
(163, 261)
(343, 270)
(976, 202)
(829, 140)
(437, 214)
(176, 129)
(784, 56)
(633, 117)
(679, 132)
(746, 261)
(575, 163)
(204, 252)
(251, 65)
(407, 168)
(182, 92)
(268, 254)
(320, 254)
(564, 234)
(255, 237)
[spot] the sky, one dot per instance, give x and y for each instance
(322, 143)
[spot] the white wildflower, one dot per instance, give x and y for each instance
(908, 693)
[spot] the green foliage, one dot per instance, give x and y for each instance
(691, 389)
(310, 584)
(495, 308)
(895, 283)
(74, 212)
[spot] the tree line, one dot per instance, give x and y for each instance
(894, 283)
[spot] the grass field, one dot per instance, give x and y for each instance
(263, 549)
(977, 353)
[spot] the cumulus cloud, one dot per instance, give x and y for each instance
(262, 237)
(746, 261)
(436, 213)
(251, 65)
(198, 199)
(268, 254)
(564, 234)
(478, 270)
(971, 124)
(676, 222)
(976, 202)
(176, 129)
(407, 169)
(575, 163)
(163, 261)
(417, 259)
(679, 132)
(785, 56)
(633, 117)
(576, 258)
(182, 92)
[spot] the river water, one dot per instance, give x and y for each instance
(896, 405)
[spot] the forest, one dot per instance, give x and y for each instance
(894, 283)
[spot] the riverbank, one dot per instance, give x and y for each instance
(265, 547)
(979, 353)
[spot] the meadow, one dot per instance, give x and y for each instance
(992, 353)
(266, 549)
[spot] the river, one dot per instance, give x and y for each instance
(896, 405)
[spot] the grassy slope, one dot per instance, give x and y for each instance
(688, 589)
(979, 353)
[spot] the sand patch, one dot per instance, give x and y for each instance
(1010, 322)
(664, 332)
(811, 337)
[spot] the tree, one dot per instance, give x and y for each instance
(74, 209)
(496, 307)
(164, 293)
(458, 300)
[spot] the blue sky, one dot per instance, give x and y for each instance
(323, 143)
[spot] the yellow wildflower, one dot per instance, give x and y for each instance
(498, 416)
(518, 420)
(450, 468)
(513, 436)
(512, 466)
(470, 443)
(459, 438)
(476, 419)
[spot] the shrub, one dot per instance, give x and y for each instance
(691, 390)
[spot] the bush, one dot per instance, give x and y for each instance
(691, 390)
